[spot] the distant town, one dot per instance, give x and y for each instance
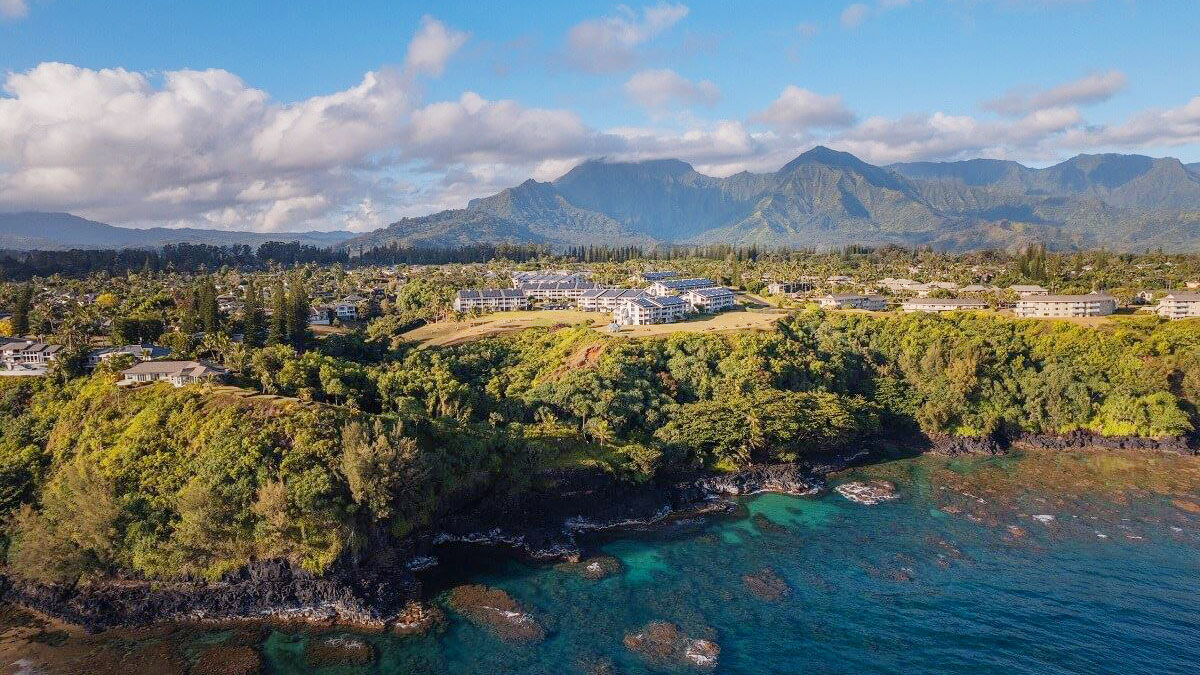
(151, 322)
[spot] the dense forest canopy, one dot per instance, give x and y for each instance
(380, 433)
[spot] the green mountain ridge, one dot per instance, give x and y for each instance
(49, 231)
(825, 198)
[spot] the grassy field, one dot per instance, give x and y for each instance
(456, 332)
(446, 333)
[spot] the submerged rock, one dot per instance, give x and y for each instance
(662, 642)
(766, 525)
(767, 585)
(321, 652)
(222, 660)
(495, 610)
(1186, 506)
(417, 618)
(867, 492)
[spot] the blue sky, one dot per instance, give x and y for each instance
(283, 116)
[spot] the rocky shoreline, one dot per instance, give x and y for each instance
(382, 592)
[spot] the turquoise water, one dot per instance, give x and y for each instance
(900, 587)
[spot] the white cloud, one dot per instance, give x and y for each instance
(854, 15)
(1150, 128)
(798, 109)
(609, 43)
(14, 9)
(941, 136)
(432, 47)
(658, 89)
(1093, 88)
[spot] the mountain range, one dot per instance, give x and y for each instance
(821, 199)
(30, 230)
(825, 198)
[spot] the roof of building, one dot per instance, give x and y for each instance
(613, 293)
(1090, 297)
(483, 293)
(153, 351)
(197, 368)
(1026, 287)
(710, 292)
(946, 302)
(686, 284)
(1185, 297)
(852, 296)
(653, 302)
(658, 276)
(559, 284)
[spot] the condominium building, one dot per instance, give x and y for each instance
(1025, 291)
(712, 299)
(874, 303)
(569, 288)
(942, 305)
(1178, 305)
(608, 299)
(1094, 304)
(491, 300)
(650, 310)
(786, 287)
(665, 287)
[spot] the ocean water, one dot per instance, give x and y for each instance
(936, 581)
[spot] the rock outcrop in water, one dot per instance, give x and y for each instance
(662, 643)
(766, 585)
(493, 609)
(869, 492)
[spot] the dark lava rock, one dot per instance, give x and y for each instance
(417, 618)
(222, 660)
(662, 643)
(321, 652)
(495, 610)
(767, 585)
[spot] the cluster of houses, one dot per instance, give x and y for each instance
(26, 357)
(665, 300)
(19, 357)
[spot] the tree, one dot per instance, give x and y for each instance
(375, 464)
(297, 313)
(21, 306)
(254, 324)
(277, 328)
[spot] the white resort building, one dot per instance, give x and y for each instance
(568, 288)
(1177, 305)
(608, 299)
(874, 303)
(709, 300)
(178, 373)
(491, 300)
(667, 287)
(1094, 304)
(650, 310)
(942, 304)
